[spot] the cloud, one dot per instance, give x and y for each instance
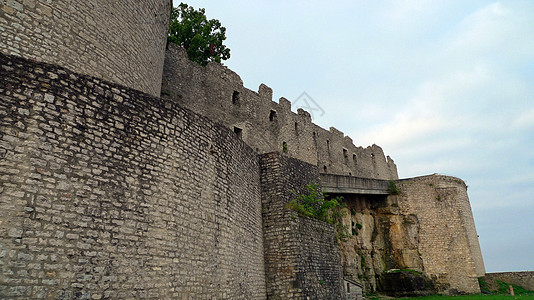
(524, 121)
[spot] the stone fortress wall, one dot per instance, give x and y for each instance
(302, 258)
(108, 192)
(218, 93)
(448, 242)
(120, 41)
(446, 246)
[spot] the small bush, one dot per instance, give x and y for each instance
(313, 204)
(393, 190)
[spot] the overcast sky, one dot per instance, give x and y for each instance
(442, 86)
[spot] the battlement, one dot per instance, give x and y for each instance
(217, 92)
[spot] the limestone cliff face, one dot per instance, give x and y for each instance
(380, 238)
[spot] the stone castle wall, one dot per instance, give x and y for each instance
(218, 93)
(120, 41)
(302, 258)
(523, 279)
(109, 193)
(447, 241)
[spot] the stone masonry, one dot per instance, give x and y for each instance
(109, 193)
(523, 279)
(448, 242)
(302, 258)
(218, 93)
(120, 41)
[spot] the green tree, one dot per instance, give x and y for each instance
(201, 38)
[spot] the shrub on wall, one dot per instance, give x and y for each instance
(313, 204)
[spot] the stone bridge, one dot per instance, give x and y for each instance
(340, 184)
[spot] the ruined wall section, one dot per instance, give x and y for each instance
(120, 41)
(218, 93)
(523, 279)
(302, 259)
(447, 238)
(106, 192)
(337, 154)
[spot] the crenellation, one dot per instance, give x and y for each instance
(256, 114)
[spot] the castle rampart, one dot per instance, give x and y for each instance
(109, 193)
(448, 241)
(120, 41)
(302, 258)
(218, 93)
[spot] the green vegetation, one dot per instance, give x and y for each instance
(518, 290)
(356, 227)
(483, 285)
(362, 259)
(502, 293)
(342, 232)
(201, 38)
(313, 204)
(393, 190)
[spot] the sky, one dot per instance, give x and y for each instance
(442, 86)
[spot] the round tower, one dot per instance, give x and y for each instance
(121, 41)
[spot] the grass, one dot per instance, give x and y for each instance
(501, 293)
(475, 297)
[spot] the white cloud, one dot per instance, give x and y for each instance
(484, 28)
(524, 121)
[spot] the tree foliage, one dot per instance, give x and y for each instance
(201, 38)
